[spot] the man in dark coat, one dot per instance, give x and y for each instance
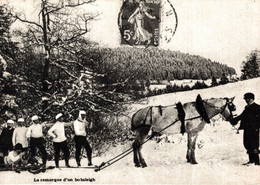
(250, 123)
(6, 137)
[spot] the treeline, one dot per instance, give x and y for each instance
(176, 88)
(251, 67)
(158, 64)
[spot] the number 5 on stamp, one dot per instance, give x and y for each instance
(146, 23)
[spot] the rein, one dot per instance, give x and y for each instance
(222, 111)
(104, 165)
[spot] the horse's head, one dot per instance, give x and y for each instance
(228, 108)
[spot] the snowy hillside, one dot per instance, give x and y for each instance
(219, 152)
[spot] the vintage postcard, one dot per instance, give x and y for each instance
(130, 92)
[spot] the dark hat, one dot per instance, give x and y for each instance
(249, 96)
(18, 146)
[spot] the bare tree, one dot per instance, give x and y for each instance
(57, 29)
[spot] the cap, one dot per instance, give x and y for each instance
(20, 120)
(35, 117)
(82, 112)
(10, 121)
(58, 116)
(249, 96)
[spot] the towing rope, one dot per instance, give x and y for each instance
(108, 163)
(104, 165)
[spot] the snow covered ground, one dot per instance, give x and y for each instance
(219, 152)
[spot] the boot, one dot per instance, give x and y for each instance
(90, 163)
(256, 159)
(57, 163)
(251, 159)
(89, 158)
(67, 163)
(78, 163)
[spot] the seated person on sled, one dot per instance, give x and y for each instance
(14, 157)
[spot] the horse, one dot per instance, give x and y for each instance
(164, 119)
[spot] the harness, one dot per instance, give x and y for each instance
(201, 109)
(181, 116)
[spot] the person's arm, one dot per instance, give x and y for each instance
(51, 131)
(149, 15)
(68, 124)
(133, 14)
(14, 137)
(258, 113)
(90, 125)
(28, 133)
(15, 159)
(235, 120)
(46, 124)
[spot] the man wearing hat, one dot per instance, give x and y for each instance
(250, 123)
(19, 135)
(37, 141)
(6, 137)
(80, 137)
(57, 132)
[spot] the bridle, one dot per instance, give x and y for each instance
(229, 104)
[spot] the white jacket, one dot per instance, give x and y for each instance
(57, 131)
(19, 136)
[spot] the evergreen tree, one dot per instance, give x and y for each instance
(223, 79)
(214, 81)
(251, 66)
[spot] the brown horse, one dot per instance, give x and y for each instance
(159, 117)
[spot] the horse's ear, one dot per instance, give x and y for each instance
(232, 98)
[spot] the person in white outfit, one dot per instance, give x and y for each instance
(57, 132)
(37, 141)
(80, 137)
(14, 157)
(19, 134)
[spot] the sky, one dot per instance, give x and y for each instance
(221, 30)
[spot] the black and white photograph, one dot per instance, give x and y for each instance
(130, 92)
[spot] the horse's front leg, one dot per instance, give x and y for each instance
(193, 146)
(188, 155)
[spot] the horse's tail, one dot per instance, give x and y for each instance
(132, 122)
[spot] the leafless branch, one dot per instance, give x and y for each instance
(35, 38)
(68, 61)
(68, 6)
(65, 70)
(28, 22)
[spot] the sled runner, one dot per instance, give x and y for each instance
(85, 167)
(35, 169)
(40, 169)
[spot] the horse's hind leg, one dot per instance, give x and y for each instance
(136, 145)
(142, 161)
(142, 133)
